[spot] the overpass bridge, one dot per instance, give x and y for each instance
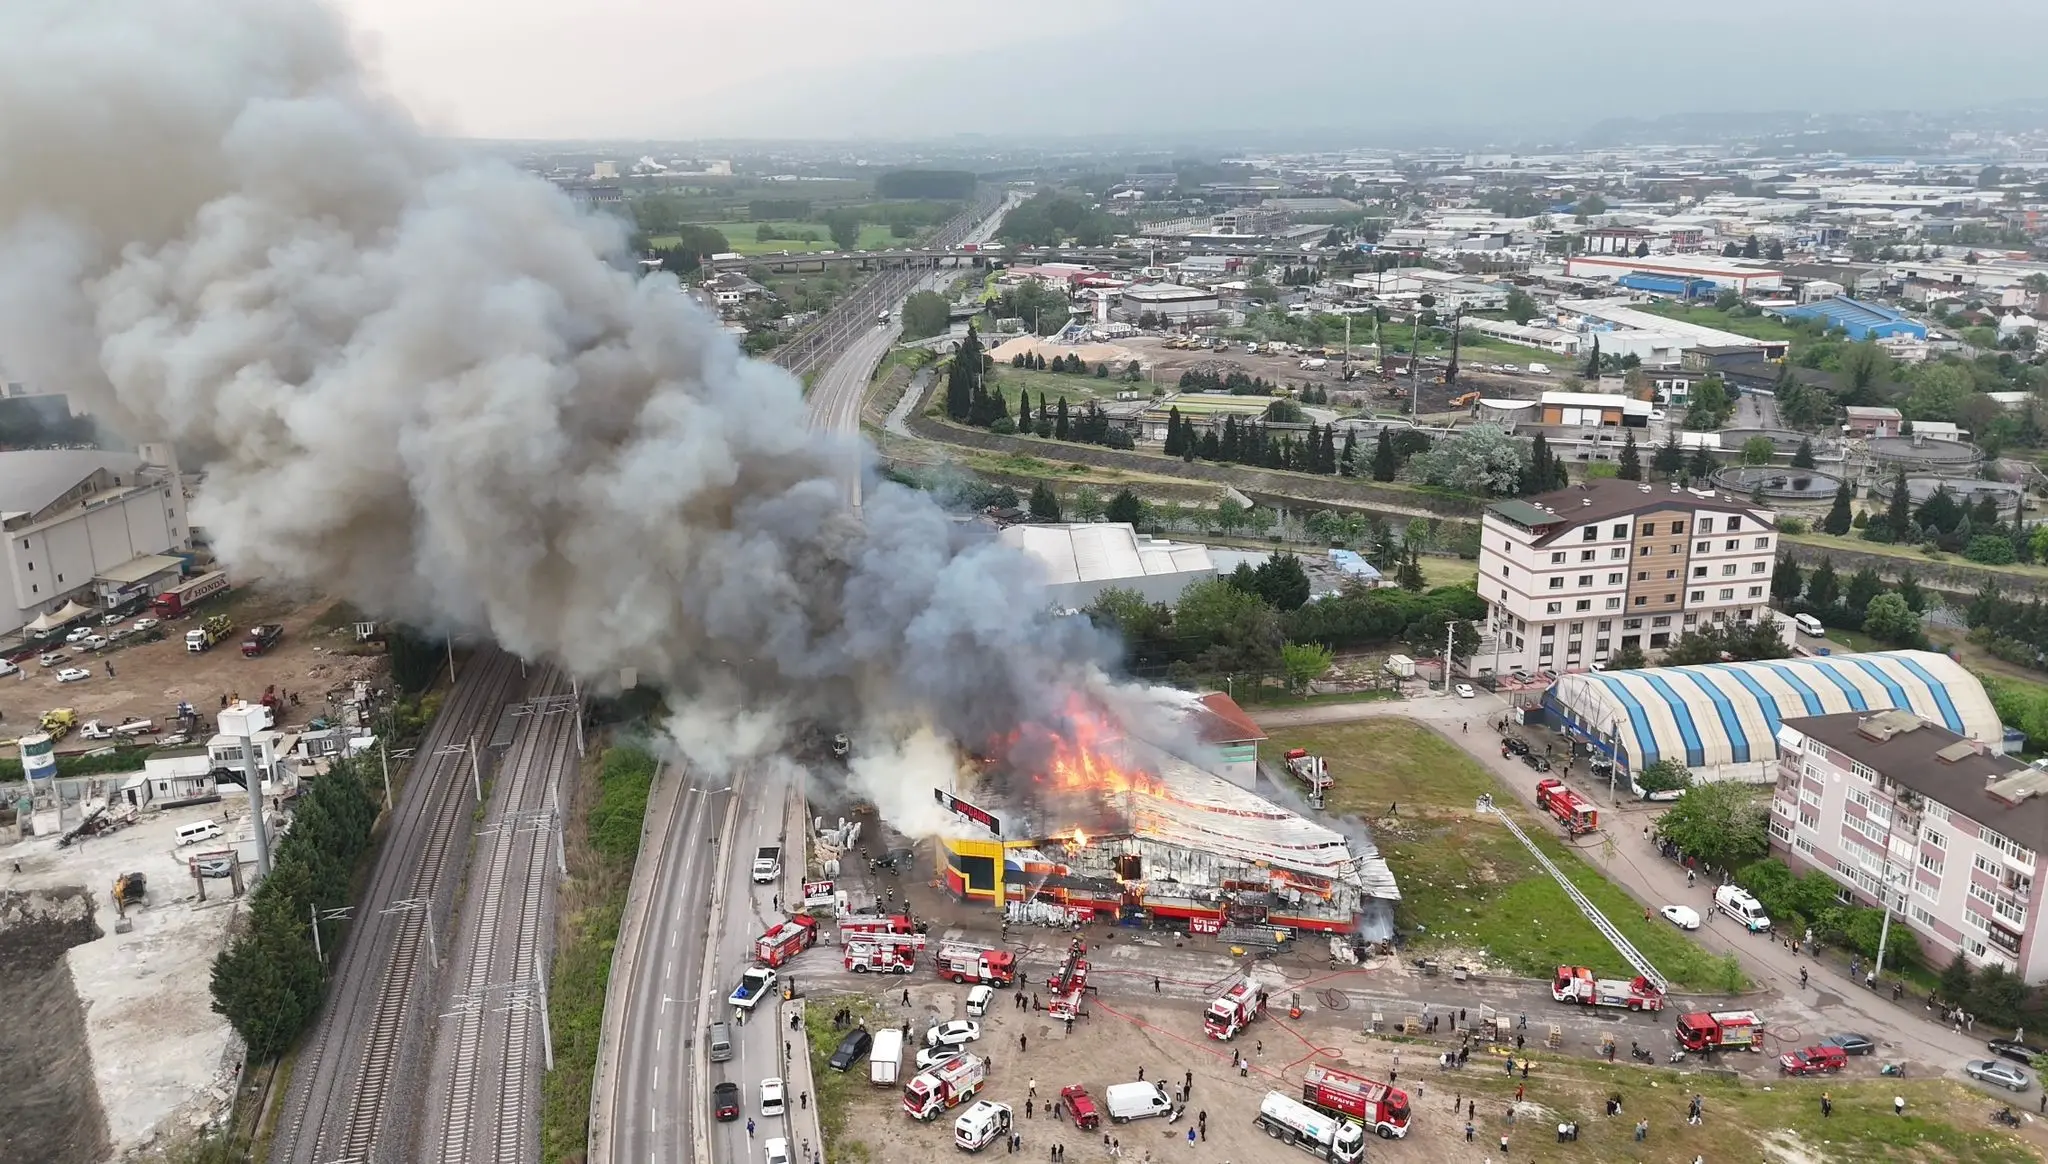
(942, 256)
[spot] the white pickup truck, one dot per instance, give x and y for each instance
(755, 984)
(767, 864)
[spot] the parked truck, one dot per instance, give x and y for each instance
(1233, 1011)
(931, 1093)
(1324, 1136)
(261, 638)
(1576, 984)
(961, 962)
(203, 637)
(1313, 773)
(1574, 812)
(882, 953)
(885, 1058)
(178, 599)
(786, 940)
(767, 864)
(1379, 1106)
(1720, 1030)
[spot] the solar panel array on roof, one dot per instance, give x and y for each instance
(1728, 713)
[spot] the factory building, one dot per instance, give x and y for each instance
(1169, 301)
(1727, 273)
(87, 525)
(1723, 720)
(1856, 319)
(1079, 560)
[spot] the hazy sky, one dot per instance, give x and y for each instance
(929, 68)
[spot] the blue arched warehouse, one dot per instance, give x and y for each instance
(1721, 720)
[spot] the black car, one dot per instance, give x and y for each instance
(2017, 1052)
(725, 1101)
(1535, 761)
(1516, 745)
(852, 1049)
(1851, 1044)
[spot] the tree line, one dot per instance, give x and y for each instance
(1887, 613)
(1978, 532)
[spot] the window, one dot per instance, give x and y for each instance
(1600, 646)
(1649, 527)
(1732, 544)
(1577, 629)
(1863, 772)
(1734, 523)
(1921, 915)
(1699, 571)
(1981, 894)
(1591, 533)
(1618, 553)
(1670, 575)
(1755, 592)
(1545, 651)
(1677, 527)
(1549, 632)
(1587, 555)
(1585, 580)
(1933, 810)
(1763, 543)
(1728, 571)
(1698, 596)
(1759, 567)
(2010, 848)
(1557, 559)
(1620, 531)
(1631, 624)
(1642, 600)
(1555, 583)
(1660, 640)
(1553, 607)
(1583, 604)
(1642, 575)
(1702, 547)
(1613, 604)
(1706, 525)
(1690, 619)
(1606, 624)
(1615, 579)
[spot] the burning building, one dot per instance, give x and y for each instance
(1108, 827)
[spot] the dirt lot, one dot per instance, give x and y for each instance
(1366, 392)
(147, 680)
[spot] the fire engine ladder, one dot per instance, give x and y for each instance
(1622, 945)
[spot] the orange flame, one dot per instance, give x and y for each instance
(1082, 758)
(1080, 839)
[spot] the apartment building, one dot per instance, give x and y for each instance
(1572, 576)
(1954, 829)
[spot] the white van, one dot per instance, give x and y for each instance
(885, 1058)
(1737, 903)
(979, 1125)
(979, 1000)
(197, 831)
(1809, 625)
(1135, 1101)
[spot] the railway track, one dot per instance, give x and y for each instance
(483, 1094)
(341, 1097)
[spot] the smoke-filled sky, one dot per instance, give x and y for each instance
(415, 382)
(935, 68)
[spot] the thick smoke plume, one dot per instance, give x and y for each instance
(416, 382)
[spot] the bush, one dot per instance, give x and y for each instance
(621, 806)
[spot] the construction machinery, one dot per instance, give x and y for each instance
(1310, 770)
(261, 638)
(204, 637)
(129, 889)
(58, 722)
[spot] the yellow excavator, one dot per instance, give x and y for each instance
(59, 721)
(129, 889)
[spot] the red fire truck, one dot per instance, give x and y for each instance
(1379, 1106)
(1310, 770)
(945, 1086)
(1234, 1011)
(1577, 984)
(883, 953)
(1721, 1030)
(856, 925)
(1068, 985)
(786, 941)
(1574, 812)
(963, 962)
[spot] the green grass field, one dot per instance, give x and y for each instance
(1061, 385)
(1466, 883)
(1753, 326)
(873, 237)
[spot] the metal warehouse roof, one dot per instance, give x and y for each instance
(1103, 551)
(1728, 713)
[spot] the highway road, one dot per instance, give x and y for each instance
(702, 912)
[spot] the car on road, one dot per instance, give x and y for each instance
(78, 634)
(73, 675)
(775, 1151)
(94, 642)
(980, 999)
(1684, 917)
(754, 985)
(2019, 1052)
(1535, 761)
(1852, 1044)
(1515, 744)
(1814, 1060)
(1992, 1071)
(930, 1057)
(7, 668)
(957, 1033)
(772, 1100)
(725, 1101)
(1465, 691)
(145, 624)
(852, 1049)
(51, 658)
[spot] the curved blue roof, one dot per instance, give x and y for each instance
(1728, 713)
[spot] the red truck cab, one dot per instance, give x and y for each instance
(1815, 1060)
(1081, 1107)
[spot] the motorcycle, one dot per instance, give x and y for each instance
(2006, 1117)
(1637, 1053)
(1677, 1056)
(1892, 1069)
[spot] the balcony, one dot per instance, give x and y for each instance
(2003, 939)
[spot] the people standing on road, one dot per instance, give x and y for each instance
(1202, 1122)
(750, 1129)
(1689, 879)
(1031, 1089)
(804, 1100)
(1023, 1042)
(1141, 1073)
(1188, 1082)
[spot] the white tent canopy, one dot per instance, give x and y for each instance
(72, 612)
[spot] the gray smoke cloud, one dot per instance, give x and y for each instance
(416, 382)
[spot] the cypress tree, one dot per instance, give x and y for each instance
(1385, 464)
(1838, 518)
(1347, 460)
(1176, 438)
(1802, 458)
(1593, 361)
(1060, 430)
(1328, 460)
(1898, 517)
(1023, 411)
(1631, 460)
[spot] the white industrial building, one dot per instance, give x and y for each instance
(1625, 329)
(1169, 300)
(1730, 273)
(98, 527)
(1080, 560)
